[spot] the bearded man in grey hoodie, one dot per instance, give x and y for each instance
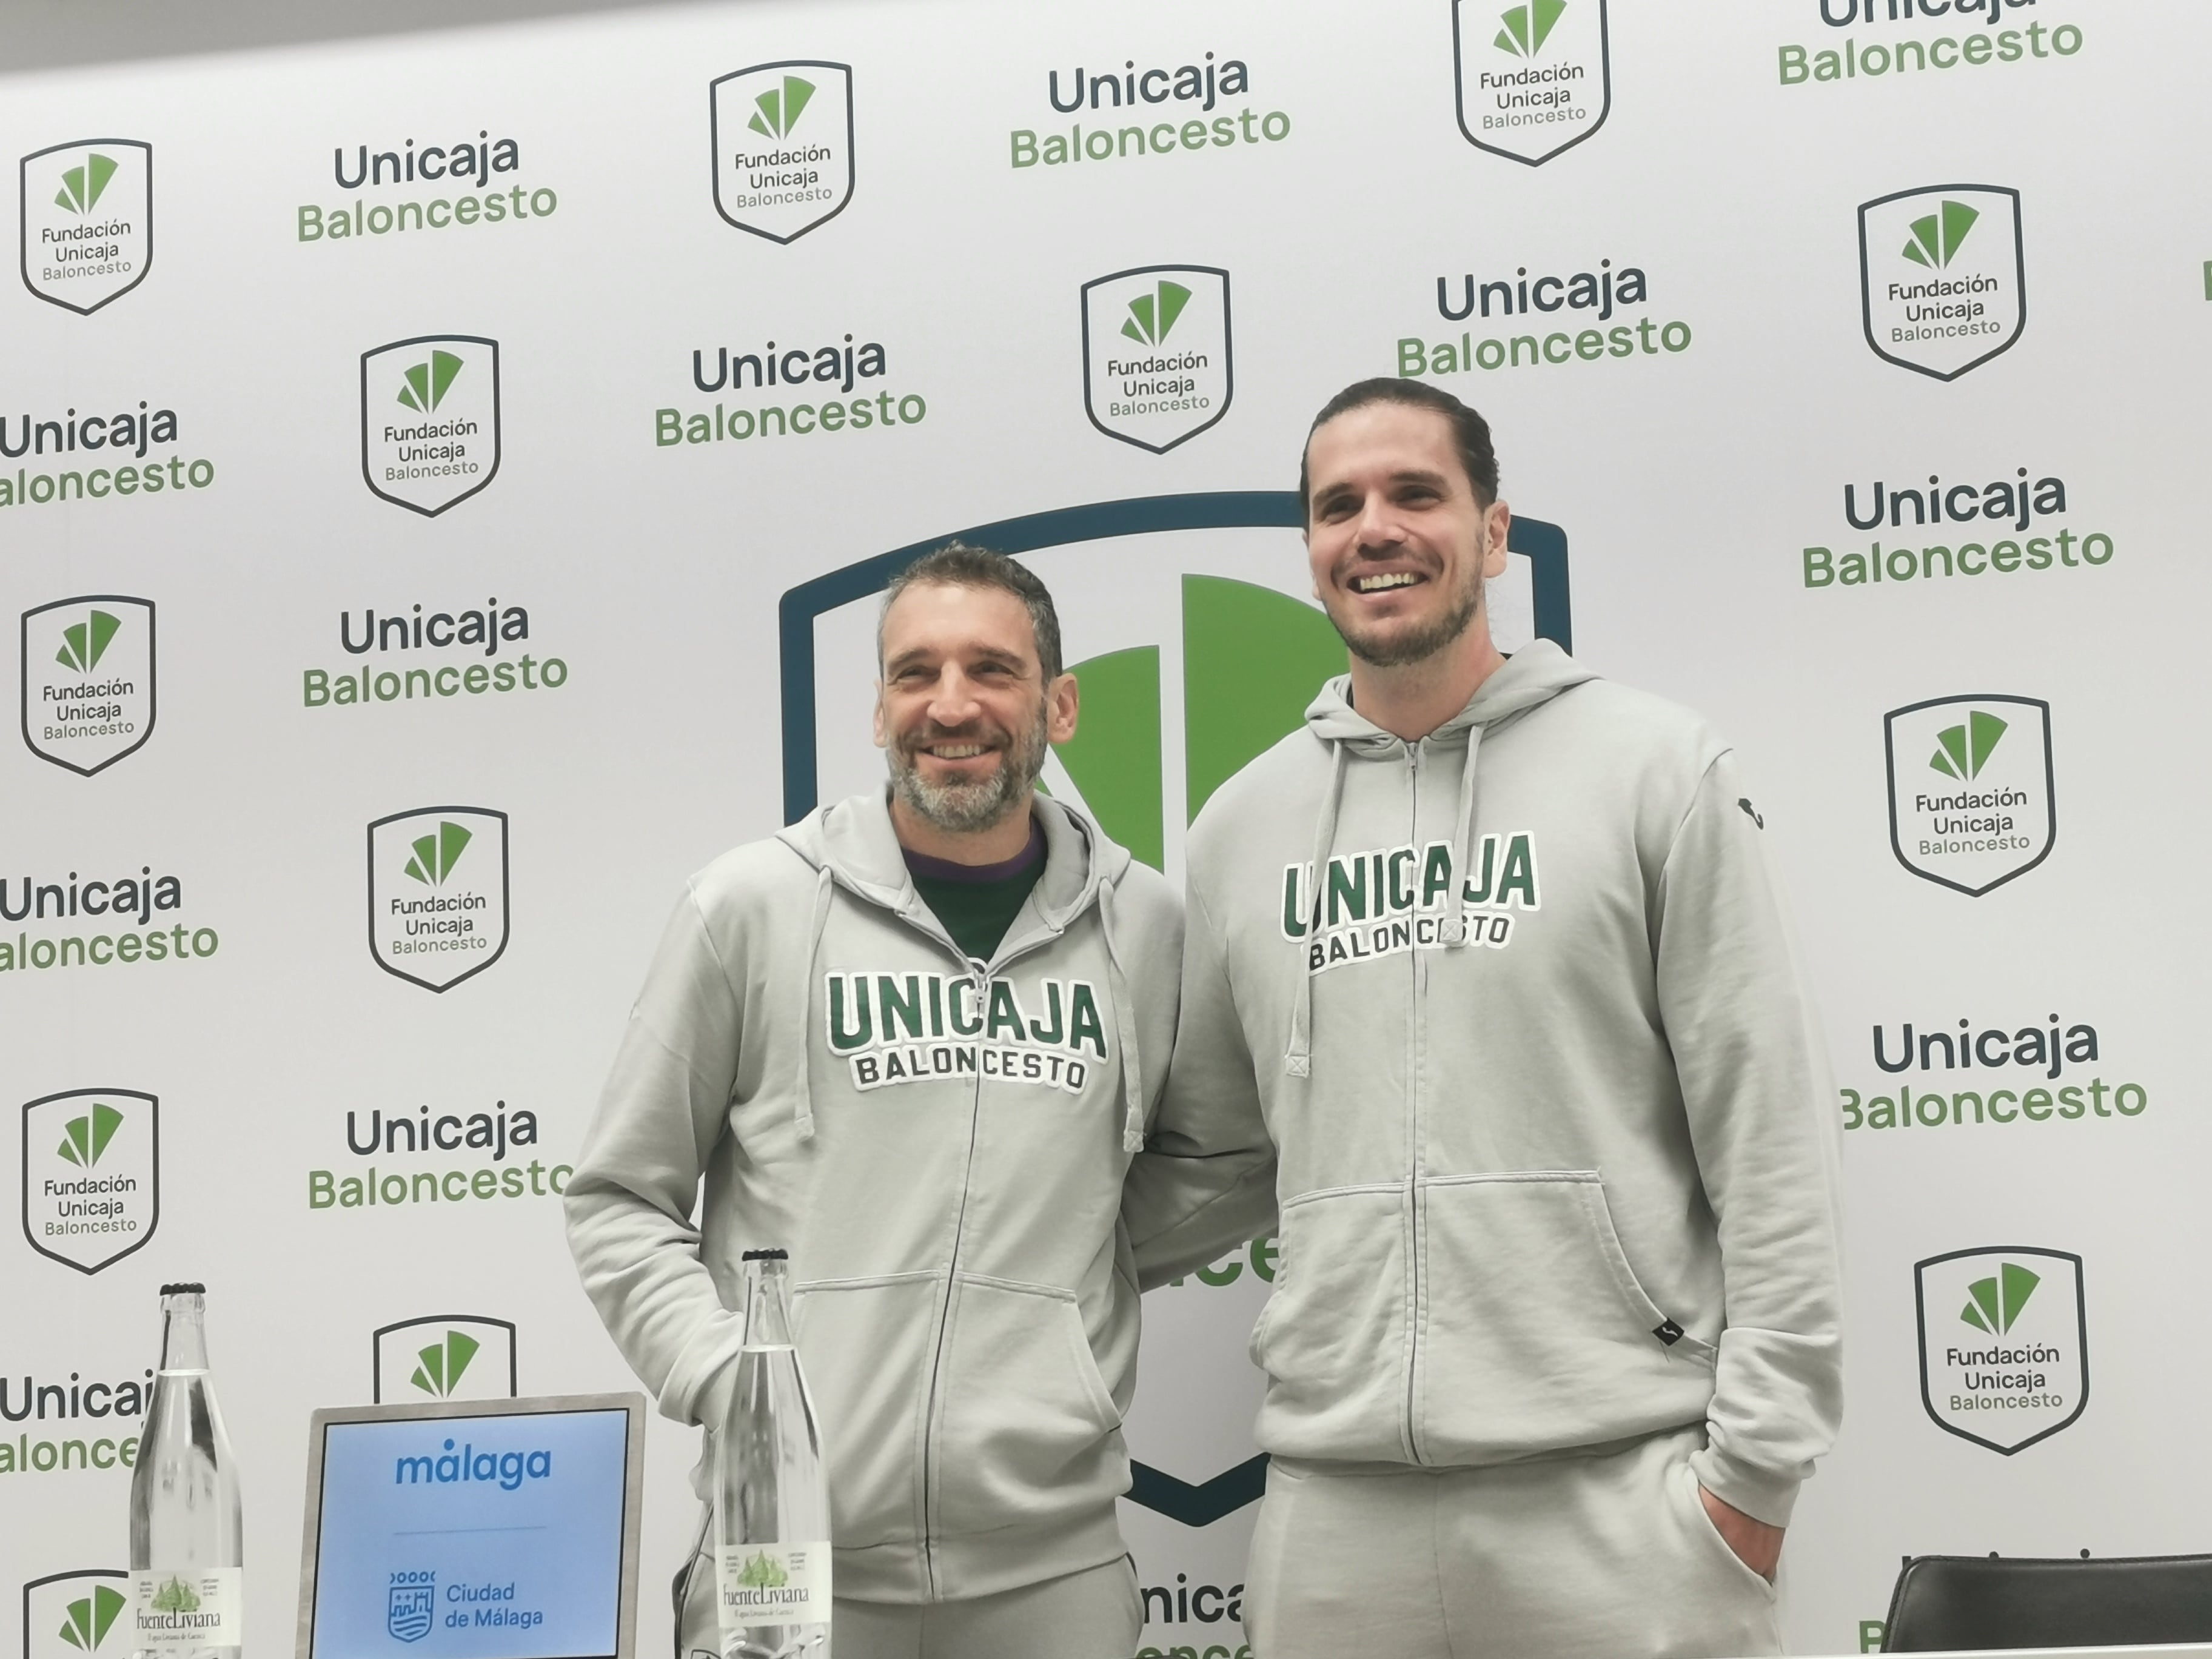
(914, 1039)
(1489, 954)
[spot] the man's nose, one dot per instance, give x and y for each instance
(954, 701)
(1379, 529)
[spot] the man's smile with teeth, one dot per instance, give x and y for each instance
(1385, 581)
(958, 750)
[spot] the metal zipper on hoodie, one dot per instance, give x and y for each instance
(945, 1316)
(952, 1263)
(1415, 1207)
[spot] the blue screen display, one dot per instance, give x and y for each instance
(471, 1538)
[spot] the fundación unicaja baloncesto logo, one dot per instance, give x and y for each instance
(2004, 1358)
(87, 680)
(1156, 368)
(69, 1615)
(1942, 277)
(444, 1357)
(92, 1185)
(437, 893)
(1971, 789)
(782, 138)
(429, 420)
(1534, 79)
(87, 222)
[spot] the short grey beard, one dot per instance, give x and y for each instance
(965, 809)
(1426, 642)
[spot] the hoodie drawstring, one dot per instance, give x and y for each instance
(1462, 842)
(802, 1094)
(1297, 1056)
(1125, 1022)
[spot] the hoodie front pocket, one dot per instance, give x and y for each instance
(1332, 1336)
(1536, 1334)
(866, 1344)
(1027, 1431)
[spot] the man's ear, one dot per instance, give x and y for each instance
(1497, 522)
(1062, 704)
(883, 735)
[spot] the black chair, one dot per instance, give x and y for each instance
(1946, 1603)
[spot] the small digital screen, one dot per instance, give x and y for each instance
(495, 1537)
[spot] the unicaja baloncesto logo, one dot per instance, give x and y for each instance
(1156, 354)
(88, 680)
(2003, 1344)
(87, 222)
(782, 136)
(444, 1357)
(1534, 79)
(1871, 39)
(429, 420)
(440, 1368)
(68, 1615)
(86, 1620)
(92, 1187)
(437, 893)
(1971, 788)
(1943, 276)
(459, 183)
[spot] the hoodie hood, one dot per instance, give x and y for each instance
(853, 844)
(1530, 678)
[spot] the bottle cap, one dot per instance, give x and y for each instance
(766, 1255)
(184, 1289)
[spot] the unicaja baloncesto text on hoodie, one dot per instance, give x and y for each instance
(939, 1144)
(1517, 1007)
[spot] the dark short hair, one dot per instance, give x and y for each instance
(1470, 432)
(956, 564)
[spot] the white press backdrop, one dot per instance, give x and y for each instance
(1690, 475)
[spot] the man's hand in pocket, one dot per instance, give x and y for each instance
(1757, 1545)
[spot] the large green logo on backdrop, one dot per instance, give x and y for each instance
(1251, 658)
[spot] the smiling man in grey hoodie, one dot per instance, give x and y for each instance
(1489, 952)
(914, 1039)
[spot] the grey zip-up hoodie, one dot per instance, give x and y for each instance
(1516, 1007)
(940, 1146)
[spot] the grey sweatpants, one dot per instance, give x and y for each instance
(1097, 1613)
(1610, 1556)
(1094, 1614)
